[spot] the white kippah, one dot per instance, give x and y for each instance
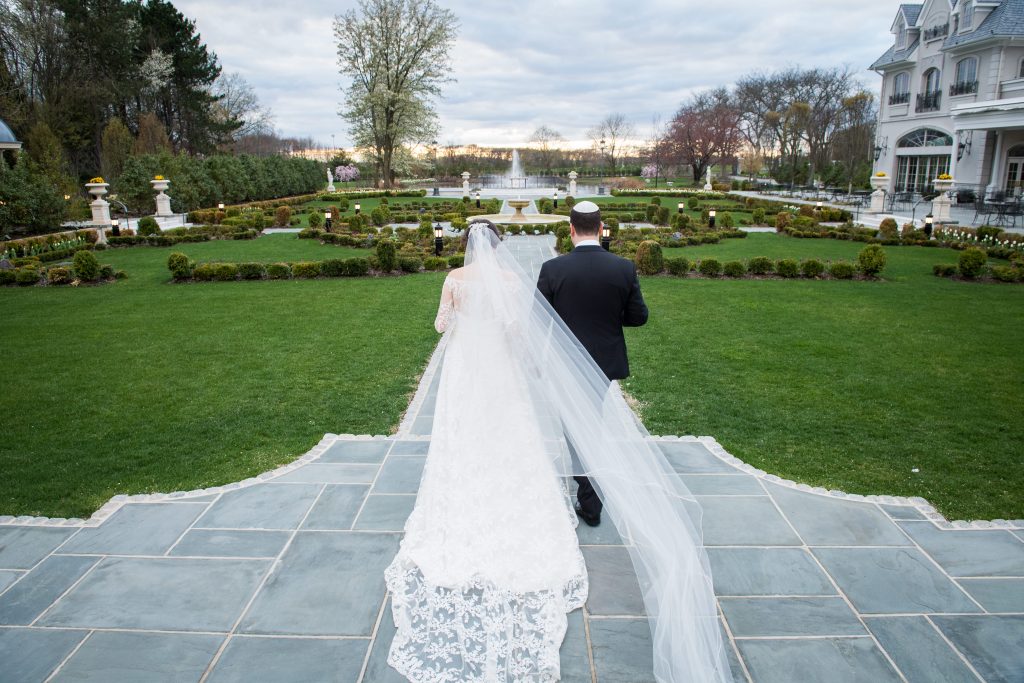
(585, 207)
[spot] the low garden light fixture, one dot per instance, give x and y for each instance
(220, 206)
(606, 238)
(555, 198)
(438, 239)
(67, 197)
(357, 209)
(478, 199)
(115, 227)
(327, 220)
(711, 218)
(680, 206)
(929, 223)
(817, 206)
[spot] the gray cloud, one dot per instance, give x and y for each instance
(564, 64)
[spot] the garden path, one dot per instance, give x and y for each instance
(279, 578)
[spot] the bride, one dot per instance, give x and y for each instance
(490, 564)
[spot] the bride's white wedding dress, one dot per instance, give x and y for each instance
(490, 564)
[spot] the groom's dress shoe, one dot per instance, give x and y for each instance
(591, 520)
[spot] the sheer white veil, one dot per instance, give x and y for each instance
(655, 514)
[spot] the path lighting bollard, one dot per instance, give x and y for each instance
(220, 207)
(327, 220)
(817, 207)
(680, 206)
(711, 218)
(438, 239)
(929, 222)
(357, 209)
(478, 199)
(606, 238)
(115, 227)
(555, 198)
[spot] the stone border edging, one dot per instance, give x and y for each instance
(328, 440)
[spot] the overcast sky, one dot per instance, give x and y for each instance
(563, 63)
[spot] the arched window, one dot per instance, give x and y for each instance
(968, 14)
(966, 77)
(1016, 151)
(925, 137)
(900, 89)
(931, 80)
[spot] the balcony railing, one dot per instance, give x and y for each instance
(963, 88)
(940, 31)
(929, 101)
(899, 98)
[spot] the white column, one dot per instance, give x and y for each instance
(465, 183)
(997, 163)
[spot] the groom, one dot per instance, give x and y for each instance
(596, 293)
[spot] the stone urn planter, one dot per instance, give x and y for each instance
(100, 209)
(941, 203)
(881, 185)
(163, 202)
(943, 185)
(573, 175)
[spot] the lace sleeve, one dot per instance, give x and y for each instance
(446, 309)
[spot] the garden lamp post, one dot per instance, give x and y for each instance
(438, 239)
(115, 227)
(357, 209)
(817, 206)
(327, 220)
(478, 199)
(711, 218)
(929, 222)
(220, 206)
(600, 189)
(554, 197)
(606, 237)
(680, 206)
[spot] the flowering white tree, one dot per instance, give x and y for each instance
(346, 173)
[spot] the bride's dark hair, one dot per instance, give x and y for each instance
(479, 221)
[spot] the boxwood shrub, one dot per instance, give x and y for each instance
(944, 269)
(457, 261)
(27, 275)
(972, 262)
(787, 267)
(435, 263)
(710, 267)
(760, 265)
(678, 266)
(649, 259)
(251, 271)
(841, 270)
(225, 272)
(410, 264)
(871, 260)
(86, 266)
(180, 266)
(812, 268)
(387, 256)
(306, 269)
(59, 275)
(1007, 273)
(205, 272)
(148, 226)
(279, 271)
(734, 269)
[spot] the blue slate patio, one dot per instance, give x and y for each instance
(279, 578)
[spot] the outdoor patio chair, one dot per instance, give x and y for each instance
(981, 208)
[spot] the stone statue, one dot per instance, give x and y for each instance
(330, 181)
(707, 183)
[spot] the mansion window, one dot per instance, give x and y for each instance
(966, 77)
(930, 99)
(901, 34)
(900, 89)
(916, 173)
(1020, 72)
(925, 137)
(968, 14)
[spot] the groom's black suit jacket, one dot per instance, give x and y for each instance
(597, 294)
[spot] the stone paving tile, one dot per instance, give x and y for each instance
(385, 512)
(263, 506)
(921, 654)
(230, 543)
(750, 617)
(30, 655)
(170, 593)
(136, 529)
(817, 660)
(575, 659)
(377, 668)
(21, 547)
(996, 595)
(970, 553)
(195, 499)
(994, 645)
(892, 581)
(338, 473)
(357, 451)
(622, 650)
(604, 533)
(1019, 534)
(273, 660)
(613, 585)
(328, 583)
(109, 656)
(902, 512)
(723, 485)
(7, 577)
(337, 506)
(422, 426)
(829, 521)
(27, 599)
(410, 448)
(727, 521)
(767, 571)
(400, 475)
(690, 457)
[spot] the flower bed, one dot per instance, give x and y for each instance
(84, 269)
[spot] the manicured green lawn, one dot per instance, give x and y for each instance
(847, 385)
(144, 386)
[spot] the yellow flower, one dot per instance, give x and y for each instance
(96, 180)
(158, 177)
(945, 176)
(880, 174)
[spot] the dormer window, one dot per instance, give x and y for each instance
(968, 14)
(901, 34)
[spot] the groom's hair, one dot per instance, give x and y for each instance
(585, 223)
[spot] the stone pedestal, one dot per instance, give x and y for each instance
(940, 205)
(572, 183)
(163, 202)
(465, 183)
(100, 209)
(881, 184)
(330, 181)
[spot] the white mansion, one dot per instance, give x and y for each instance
(953, 96)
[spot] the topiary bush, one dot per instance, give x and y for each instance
(812, 268)
(971, 263)
(988, 232)
(679, 267)
(760, 265)
(693, 204)
(205, 272)
(710, 267)
(306, 269)
(410, 264)
(944, 269)
(649, 259)
(316, 220)
(782, 220)
(279, 271)
(283, 217)
(734, 269)
(355, 267)
(456, 261)
(758, 216)
(225, 272)
(435, 263)
(180, 266)
(59, 275)
(251, 271)
(334, 267)
(871, 260)
(725, 220)
(106, 272)
(1006, 273)
(387, 256)
(148, 226)
(787, 267)
(889, 228)
(27, 275)
(85, 265)
(841, 270)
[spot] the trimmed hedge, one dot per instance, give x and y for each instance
(678, 266)
(971, 262)
(734, 269)
(710, 267)
(649, 259)
(787, 268)
(225, 272)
